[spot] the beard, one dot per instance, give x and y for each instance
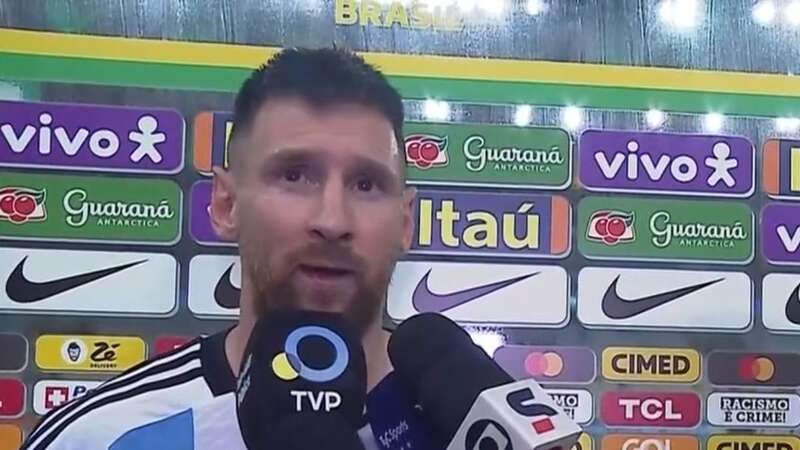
(271, 278)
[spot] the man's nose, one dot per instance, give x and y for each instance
(333, 220)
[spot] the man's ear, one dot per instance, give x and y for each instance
(223, 205)
(409, 197)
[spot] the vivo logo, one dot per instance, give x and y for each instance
(664, 163)
(78, 136)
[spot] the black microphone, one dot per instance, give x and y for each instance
(313, 432)
(467, 397)
(302, 372)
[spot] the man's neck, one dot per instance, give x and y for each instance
(375, 343)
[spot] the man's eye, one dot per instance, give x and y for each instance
(292, 175)
(365, 185)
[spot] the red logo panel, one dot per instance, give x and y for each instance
(166, 344)
(12, 398)
(662, 409)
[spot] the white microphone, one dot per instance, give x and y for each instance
(467, 398)
(518, 415)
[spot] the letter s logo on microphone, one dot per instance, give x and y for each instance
(487, 433)
(288, 365)
(523, 402)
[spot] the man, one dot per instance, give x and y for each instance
(316, 198)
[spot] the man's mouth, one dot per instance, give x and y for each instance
(325, 272)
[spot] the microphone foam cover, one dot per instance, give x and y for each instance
(437, 360)
(309, 432)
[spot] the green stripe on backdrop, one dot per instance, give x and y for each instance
(204, 78)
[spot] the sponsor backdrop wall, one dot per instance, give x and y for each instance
(630, 232)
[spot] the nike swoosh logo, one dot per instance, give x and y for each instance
(225, 293)
(793, 306)
(426, 301)
(616, 307)
(22, 290)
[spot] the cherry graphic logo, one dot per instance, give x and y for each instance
(426, 150)
(19, 205)
(611, 227)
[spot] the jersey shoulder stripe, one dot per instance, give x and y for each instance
(158, 385)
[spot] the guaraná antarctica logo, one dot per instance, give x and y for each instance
(19, 205)
(90, 208)
(488, 155)
(672, 230)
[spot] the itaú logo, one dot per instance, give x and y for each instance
(288, 365)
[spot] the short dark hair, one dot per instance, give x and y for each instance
(321, 77)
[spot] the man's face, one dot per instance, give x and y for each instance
(316, 202)
(74, 352)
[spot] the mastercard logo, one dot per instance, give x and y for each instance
(548, 364)
(757, 368)
(727, 368)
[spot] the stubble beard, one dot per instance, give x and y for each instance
(274, 291)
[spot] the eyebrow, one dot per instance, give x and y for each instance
(360, 164)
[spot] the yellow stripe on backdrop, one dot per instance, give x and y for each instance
(428, 66)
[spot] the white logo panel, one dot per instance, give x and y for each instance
(214, 286)
(665, 299)
(780, 297)
(737, 409)
(577, 403)
(502, 294)
(49, 394)
(88, 282)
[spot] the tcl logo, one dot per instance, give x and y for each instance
(651, 408)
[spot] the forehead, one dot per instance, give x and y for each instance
(340, 129)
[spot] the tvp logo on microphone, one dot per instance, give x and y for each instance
(290, 366)
(299, 364)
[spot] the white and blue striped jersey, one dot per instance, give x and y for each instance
(211, 426)
(181, 400)
(169, 384)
